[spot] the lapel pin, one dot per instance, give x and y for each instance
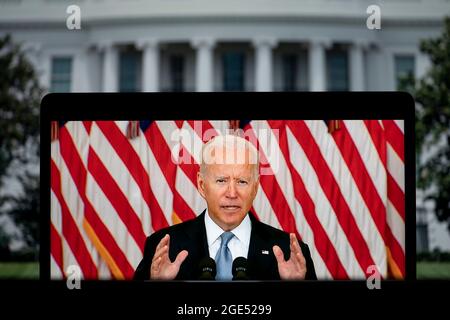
(265, 252)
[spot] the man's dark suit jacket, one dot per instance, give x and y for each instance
(191, 236)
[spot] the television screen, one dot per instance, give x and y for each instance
(333, 171)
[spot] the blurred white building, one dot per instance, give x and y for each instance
(233, 45)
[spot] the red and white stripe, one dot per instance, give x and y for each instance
(341, 192)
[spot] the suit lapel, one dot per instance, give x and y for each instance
(194, 241)
(197, 236)
(260, 255)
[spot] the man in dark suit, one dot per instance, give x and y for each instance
(228, 180)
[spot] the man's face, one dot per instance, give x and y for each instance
(229, 190)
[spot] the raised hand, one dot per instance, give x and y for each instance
(162, 268)
(295, 267)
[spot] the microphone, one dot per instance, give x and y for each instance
(240, 269)
(207, 269)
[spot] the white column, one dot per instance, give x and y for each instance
(263, 64)
(150, 64)
(316, 60)
(204, 64)
(80, 71)
(422, 65)
(45, 75)
(33, 52)
(110, 67)
(357, 66)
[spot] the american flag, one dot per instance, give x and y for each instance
(338, 185)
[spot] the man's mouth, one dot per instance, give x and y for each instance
(231, 208)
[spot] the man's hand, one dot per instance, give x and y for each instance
(162, 268)
(295, 267)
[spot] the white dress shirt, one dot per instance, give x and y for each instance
(238, 245)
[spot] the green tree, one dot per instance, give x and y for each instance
(25, 210)
(4, 245)
(432, 95)
(20, 97)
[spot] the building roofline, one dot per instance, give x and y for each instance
(20, 12)
(199, 19)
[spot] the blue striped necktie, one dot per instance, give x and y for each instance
(224, 259)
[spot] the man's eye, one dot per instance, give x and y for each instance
(220, 180)
(242, 182)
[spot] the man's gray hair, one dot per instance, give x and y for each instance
(230, 143)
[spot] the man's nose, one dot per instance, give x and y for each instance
(231, 191)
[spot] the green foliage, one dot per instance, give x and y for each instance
(25, 210)
(4, 245)
(19, 100)
(433, 270)
(432, 95)
(20, 97)
(435, 256)
(19, 270)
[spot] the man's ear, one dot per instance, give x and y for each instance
(200, 184)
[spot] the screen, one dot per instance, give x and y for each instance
(332, 171)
